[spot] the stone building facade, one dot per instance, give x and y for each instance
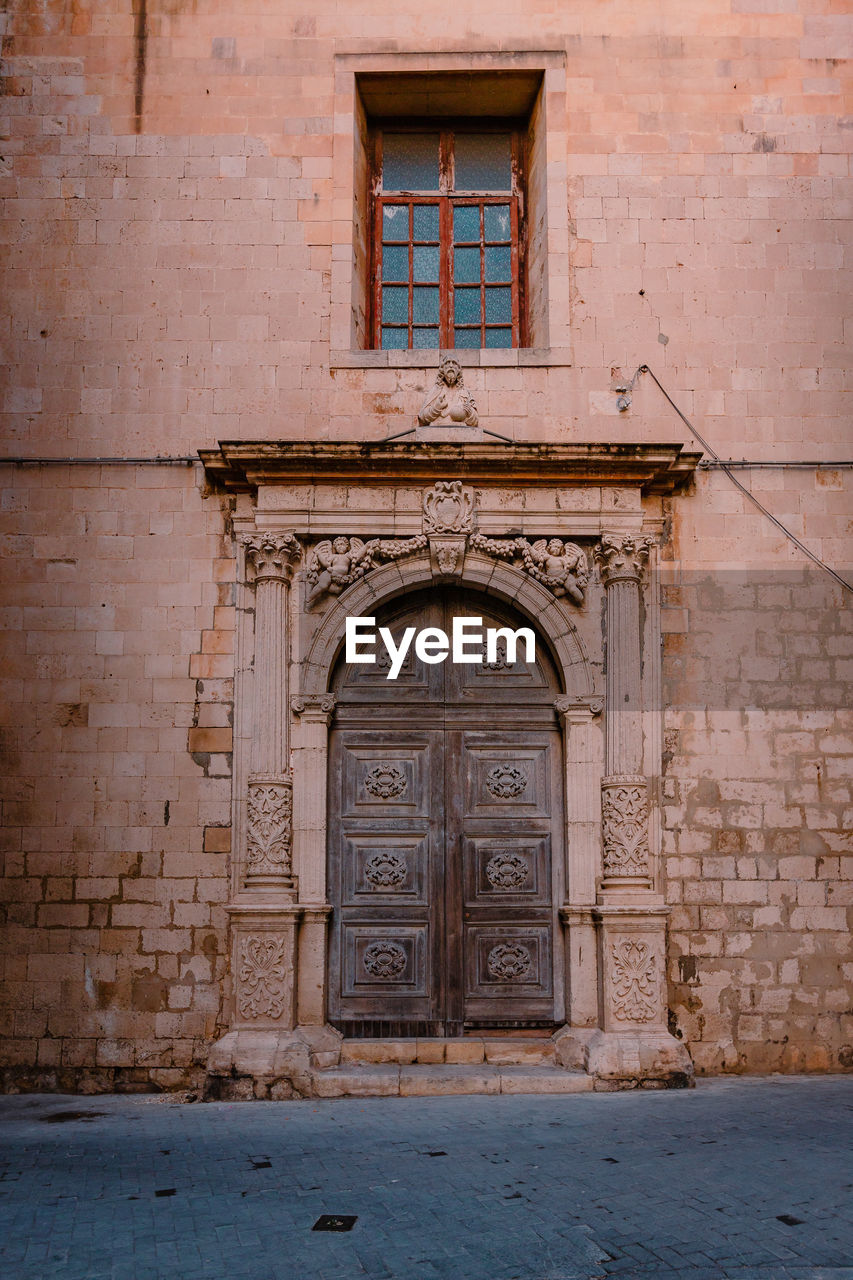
(234, 859)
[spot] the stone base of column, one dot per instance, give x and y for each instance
(247, 1064)
(626, 1059)
(263, 965)
(582, 965)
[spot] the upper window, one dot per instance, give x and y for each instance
(447, 265)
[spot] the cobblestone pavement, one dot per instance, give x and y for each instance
(740, 1178)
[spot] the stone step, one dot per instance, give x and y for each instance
(382, 1080)
(467, 1051)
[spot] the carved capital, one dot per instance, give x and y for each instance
(318, 707)
(577, 710)
(635, 971)
(449, 508)
(622, 557)
(625, 827)
(269, 829)
(271, 555)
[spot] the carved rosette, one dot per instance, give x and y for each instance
(506, 781)
(622, 557)
(625, 827)
(506, 870)
(271, 555)
(385, 781)
(385, 870)
(384, 960)
(509, 962)
(263, 979)
(635, 971)
(269, 828)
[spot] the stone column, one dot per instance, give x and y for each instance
(310, 763)
(624, 794)
(268, 861)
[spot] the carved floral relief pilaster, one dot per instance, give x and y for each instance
(635, 970)
(263, 977)
(269, 826)
(625, 826)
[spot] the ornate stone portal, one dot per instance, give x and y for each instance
(439, 513)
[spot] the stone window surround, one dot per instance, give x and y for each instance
(550, 126)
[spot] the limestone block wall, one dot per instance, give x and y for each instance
(117, 687)
(173, 228)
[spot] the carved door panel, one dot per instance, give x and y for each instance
(445, 804)
(501, 814)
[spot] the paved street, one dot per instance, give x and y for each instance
(740, 1178)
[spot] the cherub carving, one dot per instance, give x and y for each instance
(561, 566)
(334, 564)
(450, 399)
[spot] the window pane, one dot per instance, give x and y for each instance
(395, 339)
(498, 262)
(483, 162)
(395, 222)
(466, 266)
(497, 222)
(395, 305)
(467, 338)
(395, 262)
(499, 337)
(410, 162)
(426, 221)
(425, 263)
(498, 305)
(424, 339)
(425, 306)
(466, 306)
(466, 222)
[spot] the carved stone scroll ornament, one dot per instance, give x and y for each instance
(560, 566)
(269, 821)
(271, 555)
(633, 980)
(322, 704)
(449, 508)
(509, 962)
(262, 976)
(336, 563)
(622, 557)
(625, 824)
(450, 402)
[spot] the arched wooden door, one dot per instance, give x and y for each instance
(445, 821)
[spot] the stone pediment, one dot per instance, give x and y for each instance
(652, 468)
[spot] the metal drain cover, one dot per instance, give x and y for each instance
(335, 1222)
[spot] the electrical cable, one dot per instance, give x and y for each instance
(724, 466)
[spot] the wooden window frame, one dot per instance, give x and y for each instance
(447, 199)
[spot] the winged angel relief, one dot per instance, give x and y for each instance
(560, 566)
(336, 563)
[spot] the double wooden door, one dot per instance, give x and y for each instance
(444, 818)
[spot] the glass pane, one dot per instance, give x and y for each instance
(483, 162)
(425, 306)
(498, 262)
(395, 305)
(395, 222)
(498, 305)
(410, 162)
(499, 337)
(395, 262)
(426, 221)
(497, 222)
(425, 263)
(467, 338)
(466, 306)
(423, 339)
(466, 266)
(395, 339)
(466, 222)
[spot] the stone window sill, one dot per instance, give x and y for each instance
(518, 357)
